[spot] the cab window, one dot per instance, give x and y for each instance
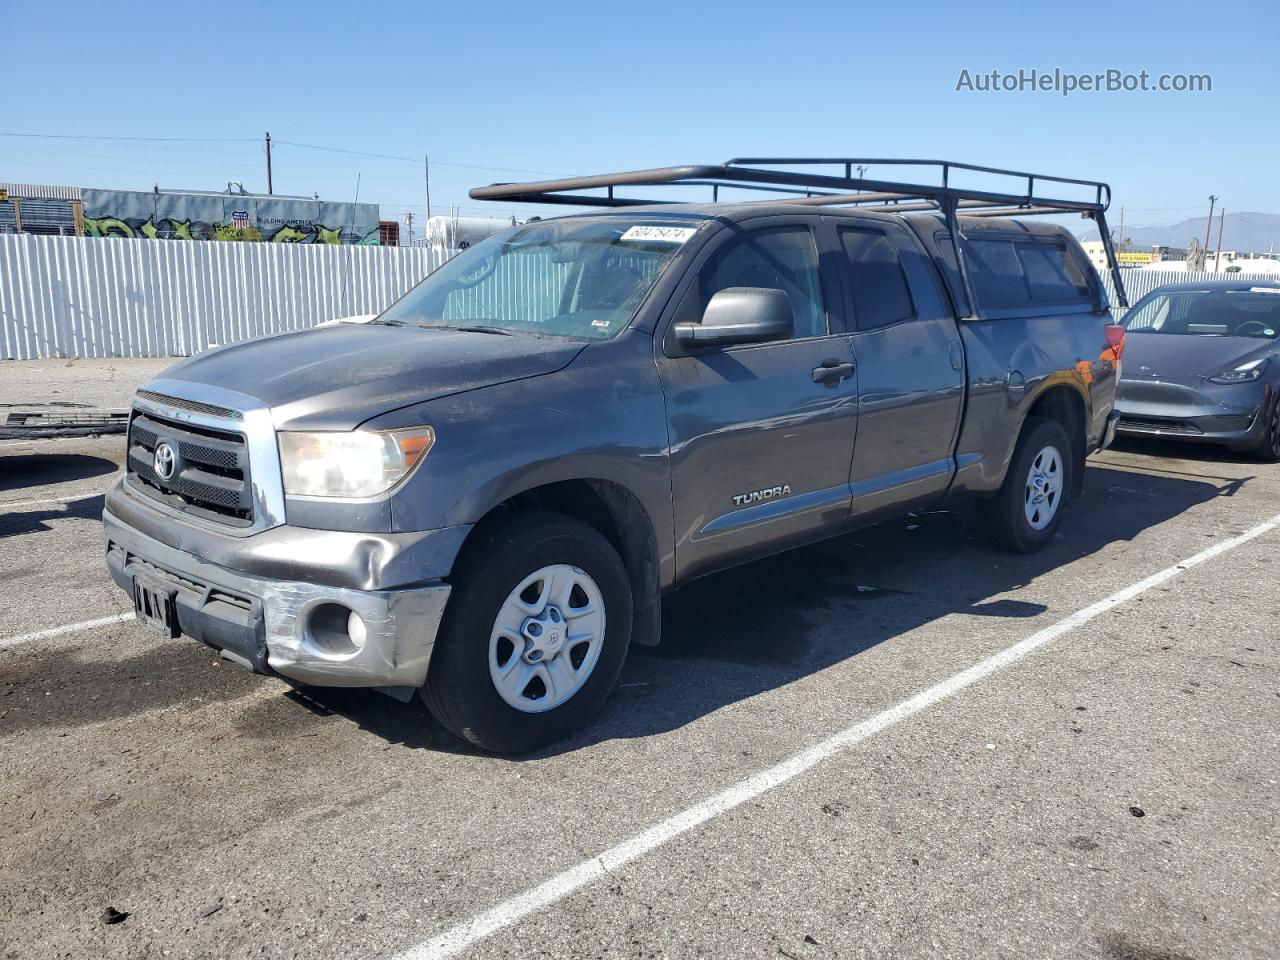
(782, 258)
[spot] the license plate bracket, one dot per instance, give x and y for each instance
(155, 607)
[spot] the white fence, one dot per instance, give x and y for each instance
(95, 297)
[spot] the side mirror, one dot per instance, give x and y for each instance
(740, 315)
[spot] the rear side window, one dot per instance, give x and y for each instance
(997, 274)
(1011, 272)
(881, 295)
(1052, 275)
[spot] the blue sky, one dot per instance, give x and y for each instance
(567, 88)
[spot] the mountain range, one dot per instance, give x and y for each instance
(1249, 232)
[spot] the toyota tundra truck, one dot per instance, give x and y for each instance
(483, 495)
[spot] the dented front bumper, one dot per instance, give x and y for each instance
(295, 628)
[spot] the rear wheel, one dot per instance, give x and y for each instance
(1024, 515)
(535, 634)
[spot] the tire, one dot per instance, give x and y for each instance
(509, 568)
(1009, 519)
(1268, 448)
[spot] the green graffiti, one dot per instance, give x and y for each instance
(236, 234)
(115, 227)
(167, 229)
(290, 235)
(107, 227)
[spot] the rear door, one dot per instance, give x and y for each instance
(760, 445)
(910, 368)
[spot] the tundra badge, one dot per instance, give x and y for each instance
(757, 496)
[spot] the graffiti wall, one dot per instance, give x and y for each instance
(213, 216)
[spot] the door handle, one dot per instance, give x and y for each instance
(832, 372)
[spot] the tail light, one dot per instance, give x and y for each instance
(1115, 338)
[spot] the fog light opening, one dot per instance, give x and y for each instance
(336, 629)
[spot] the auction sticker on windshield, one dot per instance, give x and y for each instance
(659, 234)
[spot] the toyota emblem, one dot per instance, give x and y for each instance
(165, 461)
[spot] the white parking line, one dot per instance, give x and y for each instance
(7, 504)
(39, 440)
(67, 628)
(465, 935)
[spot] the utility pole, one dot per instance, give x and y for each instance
(426, 182)
(1209, 225)
(1122, 228)
(269, 190)
(1217, 260)
(408, 222)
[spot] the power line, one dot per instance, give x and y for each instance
(388, 156)
(292, 143)
(69, 136)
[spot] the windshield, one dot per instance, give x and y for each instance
(1252, 312)
(569, 278)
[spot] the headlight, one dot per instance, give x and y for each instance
(1242, 374)
(359, 463)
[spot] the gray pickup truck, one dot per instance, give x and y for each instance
(483, 495)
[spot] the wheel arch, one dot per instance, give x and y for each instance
(1064, 403)
(617, 514)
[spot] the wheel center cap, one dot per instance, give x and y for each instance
(544, 635)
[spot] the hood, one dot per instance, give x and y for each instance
(337, 377)
(1182, 358)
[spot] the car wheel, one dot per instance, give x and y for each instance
(534, 636)
(1025, 513)
(1268, 449)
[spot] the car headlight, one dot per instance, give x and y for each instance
(356, 463)
(1244, 373)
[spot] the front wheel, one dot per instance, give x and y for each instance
(1268, 449)
(535, 634)
(1024, 515)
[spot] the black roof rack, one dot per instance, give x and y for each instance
(842, 188)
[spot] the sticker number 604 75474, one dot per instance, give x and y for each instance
(653, 234)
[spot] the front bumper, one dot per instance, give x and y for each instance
(282, 626)
(1231, 415)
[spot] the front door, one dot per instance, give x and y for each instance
(761, 437)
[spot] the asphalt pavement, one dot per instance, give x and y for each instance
(1111, 791)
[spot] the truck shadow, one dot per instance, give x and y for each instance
(727, 638)
(36, 518)
(1175, 450)
(737, 634)
(23, 471)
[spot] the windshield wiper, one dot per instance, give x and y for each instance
(464, 327)
(481, 328)
(467, 328)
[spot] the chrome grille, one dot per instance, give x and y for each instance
(210, 476)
